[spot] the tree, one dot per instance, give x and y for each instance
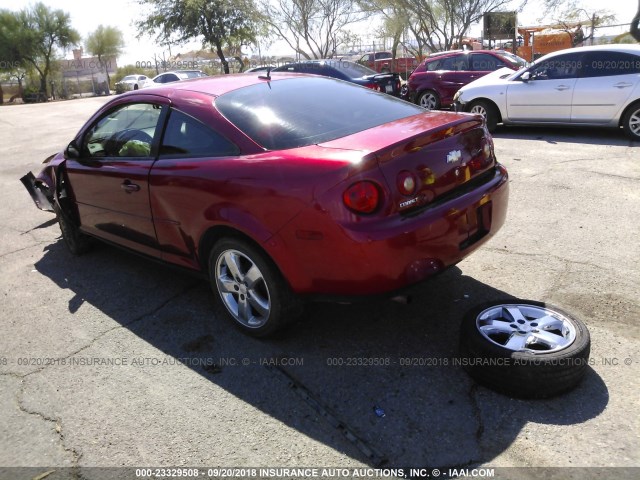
(41, 31)
(566, 12)
(219, 24)
(312, 28)
(439, 24)
(395, 19)
(10, 59)
(105, 42)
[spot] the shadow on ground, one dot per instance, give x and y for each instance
(434, 415)
(560, 135)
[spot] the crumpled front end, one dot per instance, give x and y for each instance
(41, 188)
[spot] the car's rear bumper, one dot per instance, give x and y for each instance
(319, 256)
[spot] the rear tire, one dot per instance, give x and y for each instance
(524, 348)
(249, 289)
(488, 110)
(631, 122)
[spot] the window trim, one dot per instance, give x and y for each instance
(159, 156)
(155, 144)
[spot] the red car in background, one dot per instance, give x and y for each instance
(276, 187)
(437, 79)
(384, 62)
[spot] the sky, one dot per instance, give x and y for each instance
(88, 14)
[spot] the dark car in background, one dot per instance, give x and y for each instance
(349, 71)
(436, 80)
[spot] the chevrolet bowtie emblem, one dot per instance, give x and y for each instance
(454, 156)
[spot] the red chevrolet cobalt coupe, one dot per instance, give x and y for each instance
(278, 187)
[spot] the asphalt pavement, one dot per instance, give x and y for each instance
(109, 360)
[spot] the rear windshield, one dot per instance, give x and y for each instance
(352, 70)
(297, 112)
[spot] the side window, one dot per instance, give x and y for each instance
(170, 77)
(457, 63)
(186, 137)
(125, 132)
(481, 62)
(434, 65)
(382, 55)
(161, 79)
(607, 64)
(557, 68)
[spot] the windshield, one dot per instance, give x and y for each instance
(129, 77)
(282, 114)
(193, 74)
(515, 59)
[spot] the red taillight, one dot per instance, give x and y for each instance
(372, 86)
(362, 197)
(406, 182)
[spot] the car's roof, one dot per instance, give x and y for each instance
(328, 61)
(441, 55)
(618, 47)
(219, 84)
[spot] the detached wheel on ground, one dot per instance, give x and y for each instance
(631, 122)
(524, 348)
(429, 100)
(488, 110)
(249, 289)
(76, 241)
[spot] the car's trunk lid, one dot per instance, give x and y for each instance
(440, 151)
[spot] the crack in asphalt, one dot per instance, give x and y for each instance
(76, 455)
(566, 261)
(139, 318)
(376, 458)
(625, 177)
(477, 413)
(42, 242)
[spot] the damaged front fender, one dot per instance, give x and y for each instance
(42, 188)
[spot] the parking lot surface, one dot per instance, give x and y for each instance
(111, 360)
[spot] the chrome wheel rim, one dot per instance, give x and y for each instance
(634, 123)
(526, 328)
(479, 110)
(428, 101)
(243, 289)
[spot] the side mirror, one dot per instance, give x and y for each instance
(72, 151)
(525, 77)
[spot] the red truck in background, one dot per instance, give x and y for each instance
(384, 63)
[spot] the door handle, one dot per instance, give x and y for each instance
(562, 87)
(130, 187)
(623, 85)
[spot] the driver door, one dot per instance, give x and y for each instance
(109, 179)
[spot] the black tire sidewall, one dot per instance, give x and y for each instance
(523, 374)
(627, 119)
(77, 243)
(492, 113)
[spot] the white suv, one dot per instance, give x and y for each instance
(598, 86)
